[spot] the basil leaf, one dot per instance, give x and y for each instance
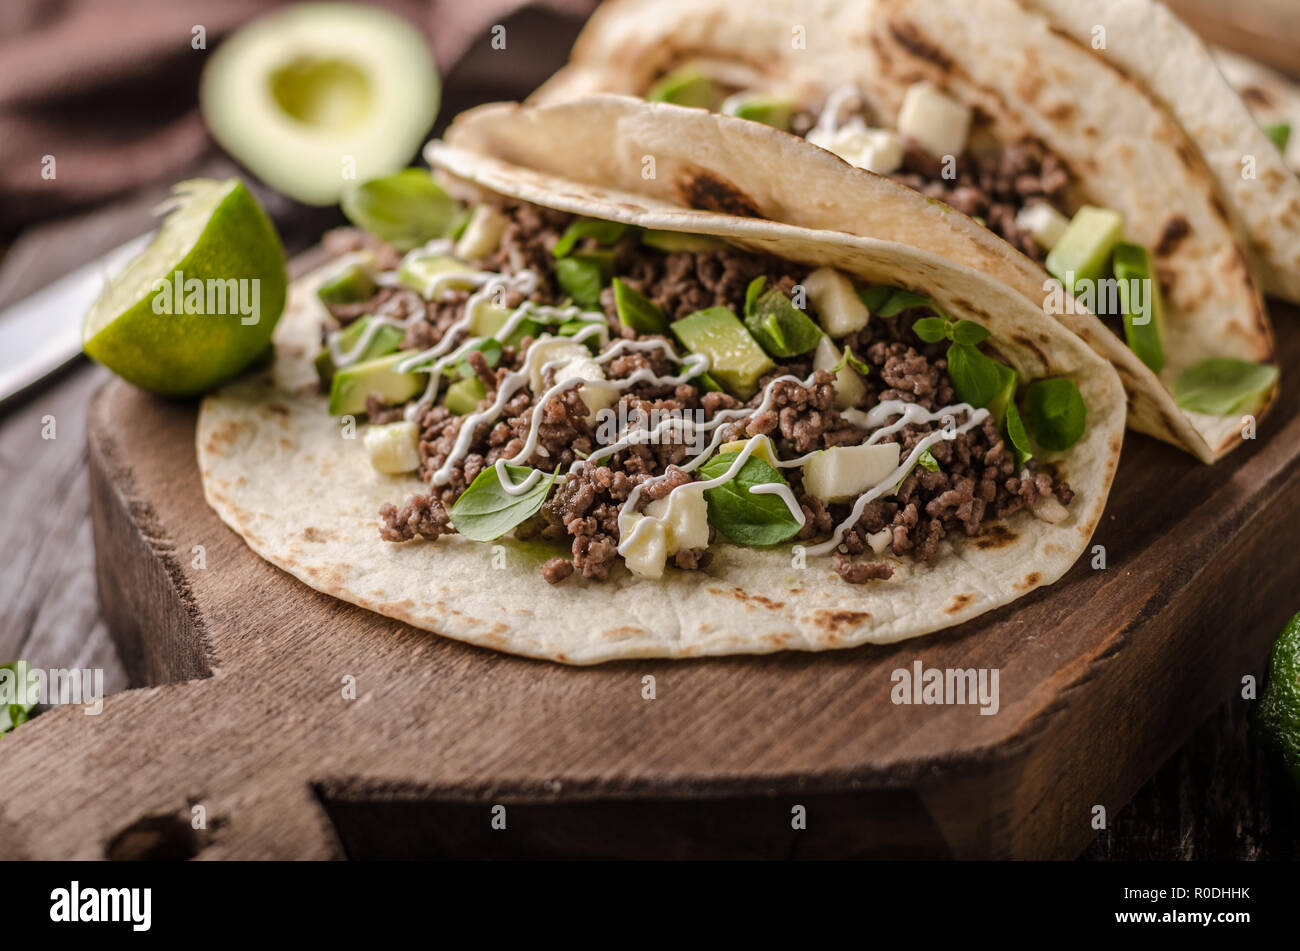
(406, 209)
(780, 328)
(603, 232)
(491, 350)
(637, 311)
(849, 358)
(1017, 436)
(967, 331)
(932, 329)
(976, 378)
(1222, 386)
(874, 297)
(485, 511)
(746, 518)
(582, 277)
(1054, 413)
(925, 461)
(902, 300)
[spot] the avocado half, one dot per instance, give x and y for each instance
(321, 96)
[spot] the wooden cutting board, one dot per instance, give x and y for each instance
(241, 717)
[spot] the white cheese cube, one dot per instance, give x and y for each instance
(880, 541)
(845, 472)
(549, 349)
(393, 447)
(934, 120)
(876, 150)
(838, 308)
(1044, 223)
(685, 515)
(597, 394)
(648, 553)
(482, 235)
(849, 387)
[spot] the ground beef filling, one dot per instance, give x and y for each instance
(990, 184)
(977, 481)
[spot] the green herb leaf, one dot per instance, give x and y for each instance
(582, 277)
(746, 518)
(901, 300)
(1280, 133)
(406, 209)
(602, 232)
(1054, 413)
(932, 329)
(780, 328)
(849, 358)
(875, 296)
(1017, 436)
(485, 511)
(13, 713)
(1222, 386)
(969, 332)
(976, 378)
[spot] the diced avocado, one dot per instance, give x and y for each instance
(351, 285)
(1006, 392)
(737, 360)
(1085, 249)
(419, 273)
(845, 472)
(584, 276)
(780, 328)
(671, 241)
(687, 87)
(1279, 133)
(759, 108)
(637, 311)
(379, 378)
(708, 384)
(1142, 304)
(384, 340)
(488, 319)
(463, 396)
(763, 448)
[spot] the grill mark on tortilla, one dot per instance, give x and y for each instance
(1256, 95)
(744, 597)
(996, 535)
(958, 602)
(832, 622)
(1024, 341)
(1032, 579)
(705, 191)
(1175, 230)
(911, 39)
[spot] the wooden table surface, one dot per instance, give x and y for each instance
(1218, 798)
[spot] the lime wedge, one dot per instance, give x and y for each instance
(200, 302)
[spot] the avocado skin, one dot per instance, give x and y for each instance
(1277, 720)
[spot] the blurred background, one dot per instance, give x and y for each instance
(110, 88)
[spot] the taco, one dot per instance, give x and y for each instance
(1272, 98)
(1063, 151)
(596, 425)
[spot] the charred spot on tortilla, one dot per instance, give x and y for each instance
(740, 594)
(909, 37)
(313, 534)
(1024, 341)
(959, 601)
(1175, 230)
(705, 191)
(833, 622)
(1062, 111)
(995, 536)
(1255, 96)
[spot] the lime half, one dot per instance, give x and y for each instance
(200, 302)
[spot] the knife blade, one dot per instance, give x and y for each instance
(42, 333)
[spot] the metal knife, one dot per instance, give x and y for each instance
(42, 333)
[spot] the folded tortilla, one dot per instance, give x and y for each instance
(1147, 127)
(282, 473)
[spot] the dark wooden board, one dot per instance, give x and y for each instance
(1103, 675)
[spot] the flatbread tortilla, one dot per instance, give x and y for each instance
(1178, 184)
(280, 471)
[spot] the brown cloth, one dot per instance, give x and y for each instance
(109, 88)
